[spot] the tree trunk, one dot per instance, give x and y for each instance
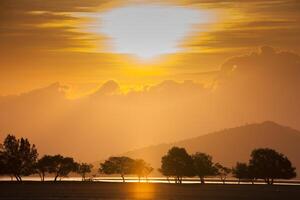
(123, 178)
(42, 176)
(55, 178)
(18, 177)
(202, 180)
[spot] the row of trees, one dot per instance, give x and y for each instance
(125, 165)
(266, 164)
(19, 158)
(60, 166)
(178, 164)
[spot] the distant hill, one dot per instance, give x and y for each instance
(231, 145)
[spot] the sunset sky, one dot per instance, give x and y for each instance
(93, 72)
(83, 44)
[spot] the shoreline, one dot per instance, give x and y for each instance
(155, 180)
(100, 190)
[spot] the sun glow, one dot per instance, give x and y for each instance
(147, 31)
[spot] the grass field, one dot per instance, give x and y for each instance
(92, 190)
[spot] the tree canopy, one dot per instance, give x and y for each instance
(83, 169)
(222, 171)
(242, 171)
(117, 165)
(18, 157)
(177, 163)
(268, 164)
(44, 165)
(141, 168)
(61, 166)
(203, 166)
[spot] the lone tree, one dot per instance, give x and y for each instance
(267, 164)
(18, 157)
(177, 163)
(203, 166)
(242, 172)
(44, 165)
(141, 169)
(62, 166)
(117, 165)
(83, 169)
(222, 172)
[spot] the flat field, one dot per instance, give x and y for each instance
(97, 190)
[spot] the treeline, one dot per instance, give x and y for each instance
(266, 164)
(19, 158)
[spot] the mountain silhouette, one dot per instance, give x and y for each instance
(234, 144)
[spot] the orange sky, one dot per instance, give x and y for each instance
(94, 72)
(47, 41)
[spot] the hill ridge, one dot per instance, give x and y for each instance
(232, 144)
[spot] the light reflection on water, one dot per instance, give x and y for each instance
(154, 180)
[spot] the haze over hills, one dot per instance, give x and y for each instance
(234, 144)
(251, 88)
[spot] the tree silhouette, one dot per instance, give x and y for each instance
(177, 163)
(267, 164)
(62, 166)
(203, 166)
(242, 171)
(117, 165)
(222, 172)
(141, 169)
(44, 165)
(83, 169)
(3, 165)
(18, 156)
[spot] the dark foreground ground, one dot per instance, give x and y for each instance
(92, 190)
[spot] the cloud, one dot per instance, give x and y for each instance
(250, 24)
(255, 87)
(47, 38)
(268, 63)
(108, 88)
(44, 24)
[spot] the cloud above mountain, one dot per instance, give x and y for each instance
(255, 87)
